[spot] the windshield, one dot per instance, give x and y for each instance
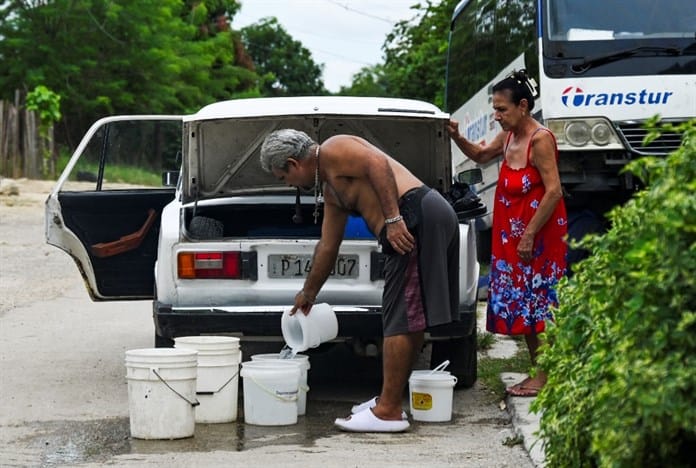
(593, 20)
(619, 37)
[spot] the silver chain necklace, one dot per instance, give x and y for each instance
(318, 198)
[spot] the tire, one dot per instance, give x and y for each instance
(461, 353)
(581, 223)
(483, 246)
(201, 227)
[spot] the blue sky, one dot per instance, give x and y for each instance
(344, 35)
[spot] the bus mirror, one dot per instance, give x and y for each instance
(470, 177)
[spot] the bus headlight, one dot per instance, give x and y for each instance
(601, 133)
(577, 133)
(584, 134)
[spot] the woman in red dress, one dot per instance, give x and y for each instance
(529, 220)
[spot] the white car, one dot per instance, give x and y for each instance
(220, 246)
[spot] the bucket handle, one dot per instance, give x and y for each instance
(219, 389)
(272, 393)
(442, 366)
(192, 403)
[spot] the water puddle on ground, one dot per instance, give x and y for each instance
(58, 443)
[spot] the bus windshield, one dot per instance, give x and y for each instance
(618, 37)
(592, 20)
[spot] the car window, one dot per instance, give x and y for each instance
(127, 154)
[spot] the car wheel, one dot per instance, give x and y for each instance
(483, 246)
(461, 353)
(579, 225)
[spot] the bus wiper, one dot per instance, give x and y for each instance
(591, 62)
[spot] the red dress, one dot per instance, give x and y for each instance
(520, 294)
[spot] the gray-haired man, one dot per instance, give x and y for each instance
(417, 228)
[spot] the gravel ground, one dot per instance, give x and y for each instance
(29, 268)
(65, 399)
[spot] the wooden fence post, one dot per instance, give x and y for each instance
(32, 146)
(15, 165)
(22, 149)
(3, 136)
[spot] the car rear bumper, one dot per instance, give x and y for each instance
(353, 322)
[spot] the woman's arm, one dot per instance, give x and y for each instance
(478, 153)
(543, 157)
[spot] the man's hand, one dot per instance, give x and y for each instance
(302, 302)
(398, 236)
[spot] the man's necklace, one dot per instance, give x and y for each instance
(318, 197)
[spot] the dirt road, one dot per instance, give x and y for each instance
(64, 393)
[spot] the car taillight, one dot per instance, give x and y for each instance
(226, 265)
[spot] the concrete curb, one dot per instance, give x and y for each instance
(524, 422)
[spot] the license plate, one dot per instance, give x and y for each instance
(298, 266)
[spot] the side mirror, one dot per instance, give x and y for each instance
(170, 178)
(470, 177)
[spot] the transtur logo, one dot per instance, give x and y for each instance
(573, 93)
(576, 97)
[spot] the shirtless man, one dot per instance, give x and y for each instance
(422, 265)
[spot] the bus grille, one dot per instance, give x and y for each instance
(634, 133)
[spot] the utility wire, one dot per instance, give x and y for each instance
(369, 15)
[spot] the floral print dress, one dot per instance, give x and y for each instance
(520, 294)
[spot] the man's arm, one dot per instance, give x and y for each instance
(324, 258)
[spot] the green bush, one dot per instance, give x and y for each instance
(621, 358)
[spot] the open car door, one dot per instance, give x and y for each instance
(105, 208)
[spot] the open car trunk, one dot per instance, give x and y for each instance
(223, 154)
(255, 217)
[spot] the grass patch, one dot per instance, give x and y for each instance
(121, 174)
(512, 441)
(114, 173)
(484, 340)
(489, 370)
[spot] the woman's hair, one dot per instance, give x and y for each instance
(521, 86)
(283, 144)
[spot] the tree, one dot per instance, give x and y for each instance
(369, 81)
(126, 56)
(415, 57)
(285, 65)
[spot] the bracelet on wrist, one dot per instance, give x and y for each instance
(393, 220)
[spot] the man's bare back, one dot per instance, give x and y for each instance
(347, 185)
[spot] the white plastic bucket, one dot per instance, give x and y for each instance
(161, 392)
(302, 332)
(270, 392)
(431, 395)
(217, 386)
(303, 388)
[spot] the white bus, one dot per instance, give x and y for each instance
(603, 68)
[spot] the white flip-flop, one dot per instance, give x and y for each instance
(371, 404)
(366, 421)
